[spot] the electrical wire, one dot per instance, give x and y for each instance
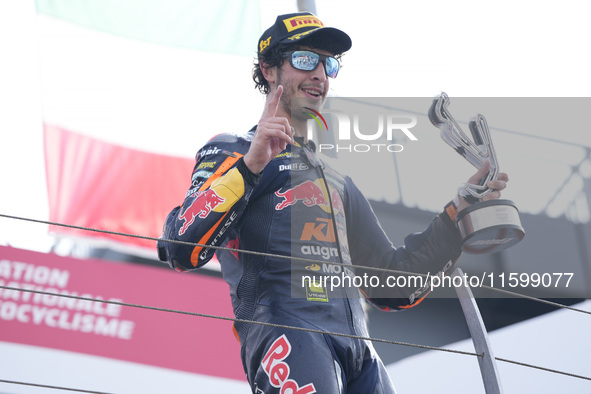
(300, 259)
(392, 342)
(387, 341)
(275, 325)
(46, 386)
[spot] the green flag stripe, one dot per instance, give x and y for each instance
(222, 26)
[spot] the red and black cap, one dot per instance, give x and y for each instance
(292, 28)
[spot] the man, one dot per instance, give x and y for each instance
(267, 192)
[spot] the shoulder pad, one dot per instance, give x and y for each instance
(224, 144)
(226, 137)
(248, 136)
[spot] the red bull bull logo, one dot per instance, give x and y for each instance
(309, 193)
(234, 244)
(337, 203)
(201, 206)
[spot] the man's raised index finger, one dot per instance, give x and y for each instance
(273, 104)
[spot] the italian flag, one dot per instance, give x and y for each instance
(103, 106)
(119, 97)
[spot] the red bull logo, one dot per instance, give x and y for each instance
(201, 206)
(309, 193)
(337, 203)
(234, 244)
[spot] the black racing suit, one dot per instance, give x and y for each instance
(302, 208)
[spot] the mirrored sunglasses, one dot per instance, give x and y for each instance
(308, 61)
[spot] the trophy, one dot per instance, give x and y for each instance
(486, 226)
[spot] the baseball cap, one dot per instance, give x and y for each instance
(291, 28)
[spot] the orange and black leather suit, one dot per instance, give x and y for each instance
(303, 209)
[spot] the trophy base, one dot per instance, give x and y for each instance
(489, 226)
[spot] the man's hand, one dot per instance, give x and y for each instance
(497, 185)
(272, 136)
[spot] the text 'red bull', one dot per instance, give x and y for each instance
(278, 370)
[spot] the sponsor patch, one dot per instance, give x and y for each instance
(209, 151)
(315, 291)
(201, 206)
(293, 167)
(323, 251)
(201, 174)
(278, 370)
(289, 155)
(264, 43)
(322, 230)
(207, 164)
(297, 22)
(308, 192)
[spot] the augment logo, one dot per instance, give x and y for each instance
(316, 116)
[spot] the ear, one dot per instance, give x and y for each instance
(270, 73)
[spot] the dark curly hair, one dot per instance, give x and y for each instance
(273, 57)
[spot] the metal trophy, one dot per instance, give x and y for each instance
(486, 226)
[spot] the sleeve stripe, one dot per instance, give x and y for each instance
(224, 167)
(197, 249)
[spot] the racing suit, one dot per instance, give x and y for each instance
(302, 208)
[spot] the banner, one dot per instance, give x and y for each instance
(171, 340)
(227, 26)
(95, 184)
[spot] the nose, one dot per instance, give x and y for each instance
(319, 73)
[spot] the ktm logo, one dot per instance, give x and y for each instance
(322, 230)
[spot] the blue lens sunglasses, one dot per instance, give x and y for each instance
(308, 61)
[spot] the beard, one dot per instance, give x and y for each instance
(296, 105)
